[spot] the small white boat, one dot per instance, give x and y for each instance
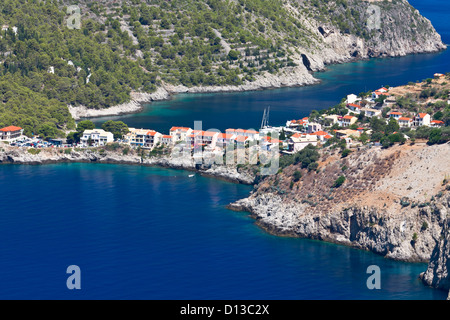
(191, 175)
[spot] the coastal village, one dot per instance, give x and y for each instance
(351, 121)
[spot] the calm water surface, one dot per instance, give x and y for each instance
(148, 233)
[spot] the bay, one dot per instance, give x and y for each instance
(149, 233)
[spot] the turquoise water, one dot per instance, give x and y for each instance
(149, 233)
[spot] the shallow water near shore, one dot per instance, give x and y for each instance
(150, 233)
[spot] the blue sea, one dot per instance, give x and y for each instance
(148, 233)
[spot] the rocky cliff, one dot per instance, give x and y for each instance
(437, 274)
(393, 202)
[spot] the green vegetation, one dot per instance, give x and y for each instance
(118, 128)
(34, 151)
(306, 158)
(131, 45)
(339, 182)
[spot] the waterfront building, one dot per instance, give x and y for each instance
(96, 137)
(180, 133)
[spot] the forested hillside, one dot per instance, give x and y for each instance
(137, 45)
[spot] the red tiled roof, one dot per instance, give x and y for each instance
(437, 121)
(328, 136)
(354, 105)
(348, 117)
(396, 113)
(10, 129)
(404, 119)
(422, 115)
(320, 133)
(241, 138)
(179, 128)
(225, 136)
(167, 136)
(209, 133)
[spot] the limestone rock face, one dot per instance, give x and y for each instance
(437, 274)
(399, 237)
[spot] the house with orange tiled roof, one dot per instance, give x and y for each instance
(145, 138)
(353, 107)
(395, 114)
(180, 133)
(166, 139)
(301, 123)
(347, 121)
(253, 134)
(405, 122)
(152, 138)
(299, 141)
(321, 135)
(241, 140)
(436, 123)
(10, 133)
(422, 119)
(207, 138)
(225, 139)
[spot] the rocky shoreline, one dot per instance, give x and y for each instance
(365, 228)
(13, 155)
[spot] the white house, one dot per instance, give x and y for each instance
(436, 123)
(333, 118)
(347, 121)
(10, 133)
(352, 98)
(353, 107)
(166, 139)
(369, 112)
(152, 138)
(299, 141)
(180, 133)
(405, 122)
(96, 137)
(422, 119)
(396, 115)
(225, 139)
(313, 127)
(322, 136)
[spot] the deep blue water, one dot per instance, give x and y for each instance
(149, 233)
(245, 110)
